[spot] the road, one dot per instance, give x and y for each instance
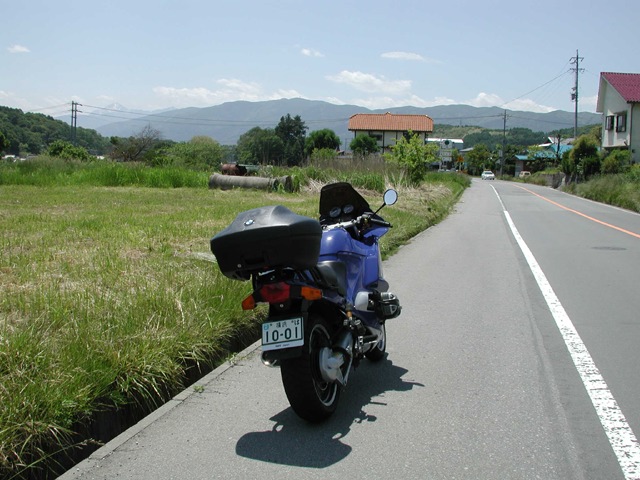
(479, 382)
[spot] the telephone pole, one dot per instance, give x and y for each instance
(504, 140)
(574, 96)
(74, 121)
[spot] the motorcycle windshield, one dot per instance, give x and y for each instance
(341, 196)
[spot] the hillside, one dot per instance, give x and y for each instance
(226, 122)
(23, 133)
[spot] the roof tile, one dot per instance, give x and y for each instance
(626, 84)
(391, 122)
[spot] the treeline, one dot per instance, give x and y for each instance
(517, 136)
(288, 144)
(23, 133)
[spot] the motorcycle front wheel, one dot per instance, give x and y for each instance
(311, 397)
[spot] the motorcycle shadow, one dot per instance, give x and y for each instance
(295, 442)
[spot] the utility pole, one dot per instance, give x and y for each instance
(74, 121)
(574, 96)
(504, 139)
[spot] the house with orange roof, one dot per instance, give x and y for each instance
(388, 128)
(619, 103)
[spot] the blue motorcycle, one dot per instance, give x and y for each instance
(328, 300)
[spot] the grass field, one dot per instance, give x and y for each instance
(109, 294)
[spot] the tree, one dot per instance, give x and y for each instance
(582, 160)
(322, 139)
(292, 132)
(66, 150)
(34, 132)
(524, 136)
(201, 153)
(618, 161)
(486, 136)
(135, 148)
(416, 156)
(479, 159)
(364, 145)
(261, 146)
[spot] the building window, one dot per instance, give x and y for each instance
(608, 124)
(621, 122)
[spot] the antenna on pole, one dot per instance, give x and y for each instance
(574, 96)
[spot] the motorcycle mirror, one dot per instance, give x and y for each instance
(390, 197)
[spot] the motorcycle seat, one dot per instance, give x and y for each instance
(334, 275)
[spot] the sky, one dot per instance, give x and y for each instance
(152, 55)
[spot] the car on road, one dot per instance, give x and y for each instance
(524, 174)
(487, 175)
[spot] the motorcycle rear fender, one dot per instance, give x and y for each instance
(273, 357)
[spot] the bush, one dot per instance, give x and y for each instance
(66, 150)
(633, 175)
(616, 162)
(621, 190)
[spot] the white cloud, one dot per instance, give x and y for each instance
(309, 52)
(486, 100)
(523, 104)
(376, 103)
(380, 92)
(590, 102)
(415, 57)
(527, 105)
(231, 90)
(367, 82)
(18, 49)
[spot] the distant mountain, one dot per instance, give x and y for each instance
(226, 122)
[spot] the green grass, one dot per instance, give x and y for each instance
(621, 190)
(105, 297)
(53, 171)
(109, 294)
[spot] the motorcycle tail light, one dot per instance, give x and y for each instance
(275, 292)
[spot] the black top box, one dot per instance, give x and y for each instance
(265, 238)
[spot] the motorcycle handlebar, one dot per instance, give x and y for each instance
(380, 222)
(359, 221)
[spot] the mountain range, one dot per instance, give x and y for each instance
(226, 122)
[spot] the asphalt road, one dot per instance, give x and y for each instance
(479, 382)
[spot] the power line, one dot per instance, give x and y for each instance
(537, 88)
(167, 118)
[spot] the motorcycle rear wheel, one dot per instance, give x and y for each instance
(310, 396)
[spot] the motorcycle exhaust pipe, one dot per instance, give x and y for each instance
(268, 361)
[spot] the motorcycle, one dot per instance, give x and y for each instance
(322, 279)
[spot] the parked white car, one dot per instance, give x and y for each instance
(487, 175)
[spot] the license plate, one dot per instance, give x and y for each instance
(282, 334)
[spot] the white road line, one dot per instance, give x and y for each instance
(621, 437)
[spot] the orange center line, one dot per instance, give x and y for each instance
(628, 232)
